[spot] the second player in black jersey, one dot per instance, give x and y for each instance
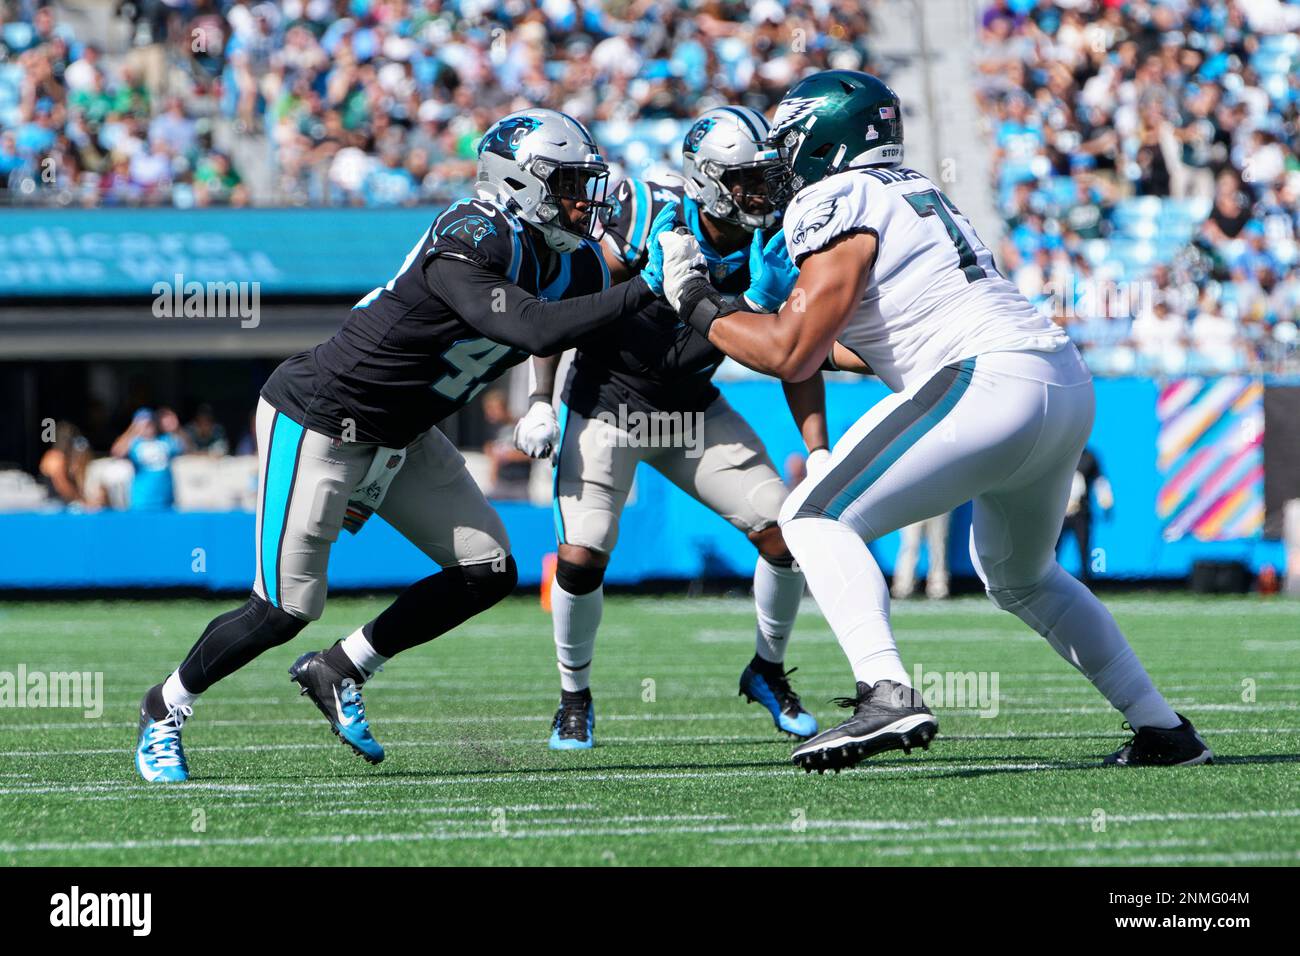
(651, 367)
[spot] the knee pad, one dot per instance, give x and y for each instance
(1008, 599)
(1018, 599)
(280, 626)
(488, 582)
(576, 579)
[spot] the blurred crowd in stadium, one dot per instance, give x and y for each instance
(377, 102)
(1146, 166)
(1144, 151)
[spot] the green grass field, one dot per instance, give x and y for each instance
(684, 772)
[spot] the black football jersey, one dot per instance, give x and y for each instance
(650, 361)
(404, 359)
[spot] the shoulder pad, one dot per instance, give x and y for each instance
(481, 232)
(825, 211)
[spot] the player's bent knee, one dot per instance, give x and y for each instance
(767, 498)
(1017, 599)
(490, 581)
(578, 579)
(280, 626)
(771, 546)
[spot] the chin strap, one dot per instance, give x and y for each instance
(560, 240)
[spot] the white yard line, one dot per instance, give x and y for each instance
(614, 775)
(756, 739)
(531, 832)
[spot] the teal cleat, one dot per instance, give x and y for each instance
(159, 757)
(338, 697)
(769, 685)
(574, 727)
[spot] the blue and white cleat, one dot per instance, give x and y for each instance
(338, 697)
(574, 727)
(769, 685)
(159, 757)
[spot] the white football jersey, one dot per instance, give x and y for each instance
(934, 296)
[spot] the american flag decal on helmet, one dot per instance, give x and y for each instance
(888, 112)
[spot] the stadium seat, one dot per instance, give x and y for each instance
(19, 491)
(113, 477)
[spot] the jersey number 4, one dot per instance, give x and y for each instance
(934, 203)
(474, 361)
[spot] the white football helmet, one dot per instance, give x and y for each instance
(725, 163)
(530, 160)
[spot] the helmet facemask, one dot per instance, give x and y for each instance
(538, 162)
(725, 166)
(742, 195)
(585, 183)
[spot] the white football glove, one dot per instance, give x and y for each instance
(683, 260)
(818, 463)
(537, 432)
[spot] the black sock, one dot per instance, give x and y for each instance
(567, 696)
(434, 605)
(338, 659)
(767, 667)
(154, 704)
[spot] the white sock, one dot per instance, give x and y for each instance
(1081, 630)
(361, 653)
(576, 618)
(175, 694)
(777, 593)
(851, 591)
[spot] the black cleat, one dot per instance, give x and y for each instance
(338, 697)
(574, 726)
(1179, 746)
(886, 716)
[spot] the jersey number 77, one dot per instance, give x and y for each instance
(931, 202)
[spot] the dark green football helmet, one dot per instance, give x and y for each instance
(832, 121)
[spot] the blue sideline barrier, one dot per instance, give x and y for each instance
(664, 534)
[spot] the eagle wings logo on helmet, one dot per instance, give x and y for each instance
(792, 109)
(815, 218)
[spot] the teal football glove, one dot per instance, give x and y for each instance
(653, 270)
(771, 273)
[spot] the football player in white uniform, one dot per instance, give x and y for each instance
(992, 403)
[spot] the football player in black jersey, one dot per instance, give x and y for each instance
(349, 427)
(651, 370)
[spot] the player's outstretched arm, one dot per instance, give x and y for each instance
(505, 313)
(807, 401)
(792, 343)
